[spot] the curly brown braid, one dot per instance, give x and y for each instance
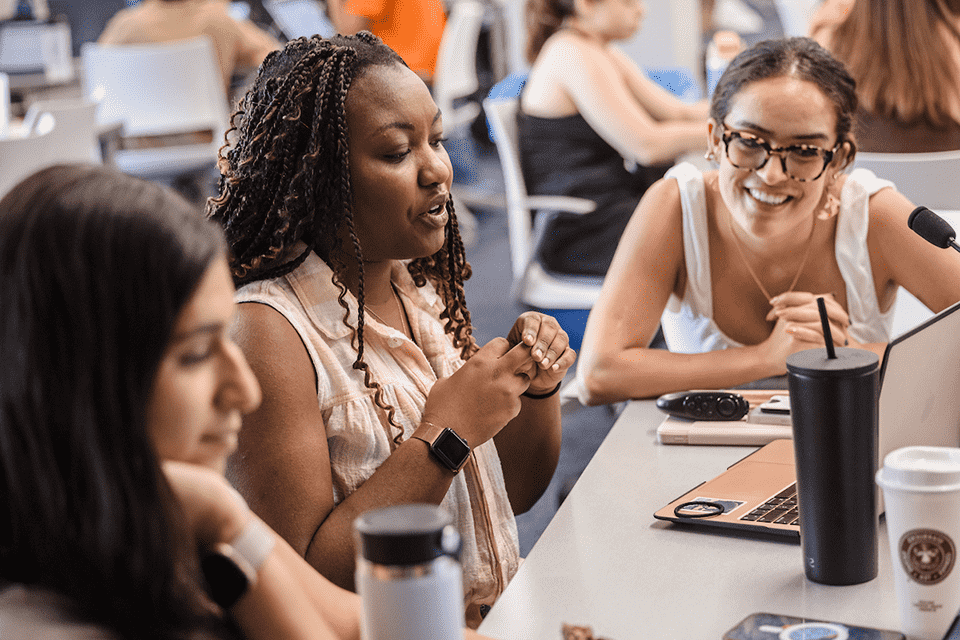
(285, 178)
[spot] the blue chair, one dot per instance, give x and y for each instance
(678, 80)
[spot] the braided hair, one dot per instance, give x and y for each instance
(285, 178)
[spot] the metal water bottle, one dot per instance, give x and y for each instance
(408, 574)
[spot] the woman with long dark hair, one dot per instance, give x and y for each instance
(120, 398)
(335, 198)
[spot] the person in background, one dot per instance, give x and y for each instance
(412, 28)
(34, 9)
(905, 58)
(344, 242)
(240, 45)
(592, 125)
(730, 262)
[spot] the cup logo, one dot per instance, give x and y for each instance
(927, 555)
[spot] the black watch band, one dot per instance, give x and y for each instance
(229, 570)
(447, 448)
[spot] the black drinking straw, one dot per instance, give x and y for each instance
(827, 334)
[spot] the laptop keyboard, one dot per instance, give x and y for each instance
(780, 509)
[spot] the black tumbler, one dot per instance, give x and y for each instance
(833, 404)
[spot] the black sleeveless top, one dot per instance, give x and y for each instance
(565, 156)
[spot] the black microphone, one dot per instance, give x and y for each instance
(932, 228)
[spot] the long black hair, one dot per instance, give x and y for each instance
(95, 267)
(286, 179)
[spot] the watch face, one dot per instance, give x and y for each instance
(451, 449)
(226, 581)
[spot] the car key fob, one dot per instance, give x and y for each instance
(704, 405)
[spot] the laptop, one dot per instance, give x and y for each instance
(919, 405)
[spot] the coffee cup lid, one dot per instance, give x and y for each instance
(849, 362)
(921, 469)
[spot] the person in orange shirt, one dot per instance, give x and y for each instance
(413, 28)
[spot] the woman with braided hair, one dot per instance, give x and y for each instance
(335, 198)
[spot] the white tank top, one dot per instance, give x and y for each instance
(688, 324)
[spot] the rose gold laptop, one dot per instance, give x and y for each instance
(919, 405)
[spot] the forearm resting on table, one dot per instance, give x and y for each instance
(285, 602)
(340, 609)
(647, 373)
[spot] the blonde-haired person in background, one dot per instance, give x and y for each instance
(593, 125)
(905, 58)
(240, 45)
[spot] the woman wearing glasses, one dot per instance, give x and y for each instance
(734, 259)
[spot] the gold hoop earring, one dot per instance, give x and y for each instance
(831, 204)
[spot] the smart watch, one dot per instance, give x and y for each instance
(230, 569)
(447, 448)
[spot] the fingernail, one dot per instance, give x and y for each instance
(555, 366)
(528, 338)
(545, 360)
(538, 354)
(774, 300)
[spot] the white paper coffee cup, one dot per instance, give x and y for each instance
(921, 491)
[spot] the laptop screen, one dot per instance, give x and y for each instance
(920, 385)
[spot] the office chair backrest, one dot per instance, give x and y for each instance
(20, 156)
(502, 118)
(930, 179)
(456, 73)
(76, 126)
(157, 89)
(33, 46)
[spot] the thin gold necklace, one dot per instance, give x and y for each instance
(746, 263)
(404, 324)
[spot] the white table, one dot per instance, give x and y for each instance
(604, 561)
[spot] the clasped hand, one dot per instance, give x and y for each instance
(798, 324)
(485, 394)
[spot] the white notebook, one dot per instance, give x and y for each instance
(739, 432)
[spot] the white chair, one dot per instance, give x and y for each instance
(4, 104)
(37, 46)
(156, 90)
(76, 126)
(455, 76)
(795, 15)
(532, 285)
(21, 155)
(930, 179)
